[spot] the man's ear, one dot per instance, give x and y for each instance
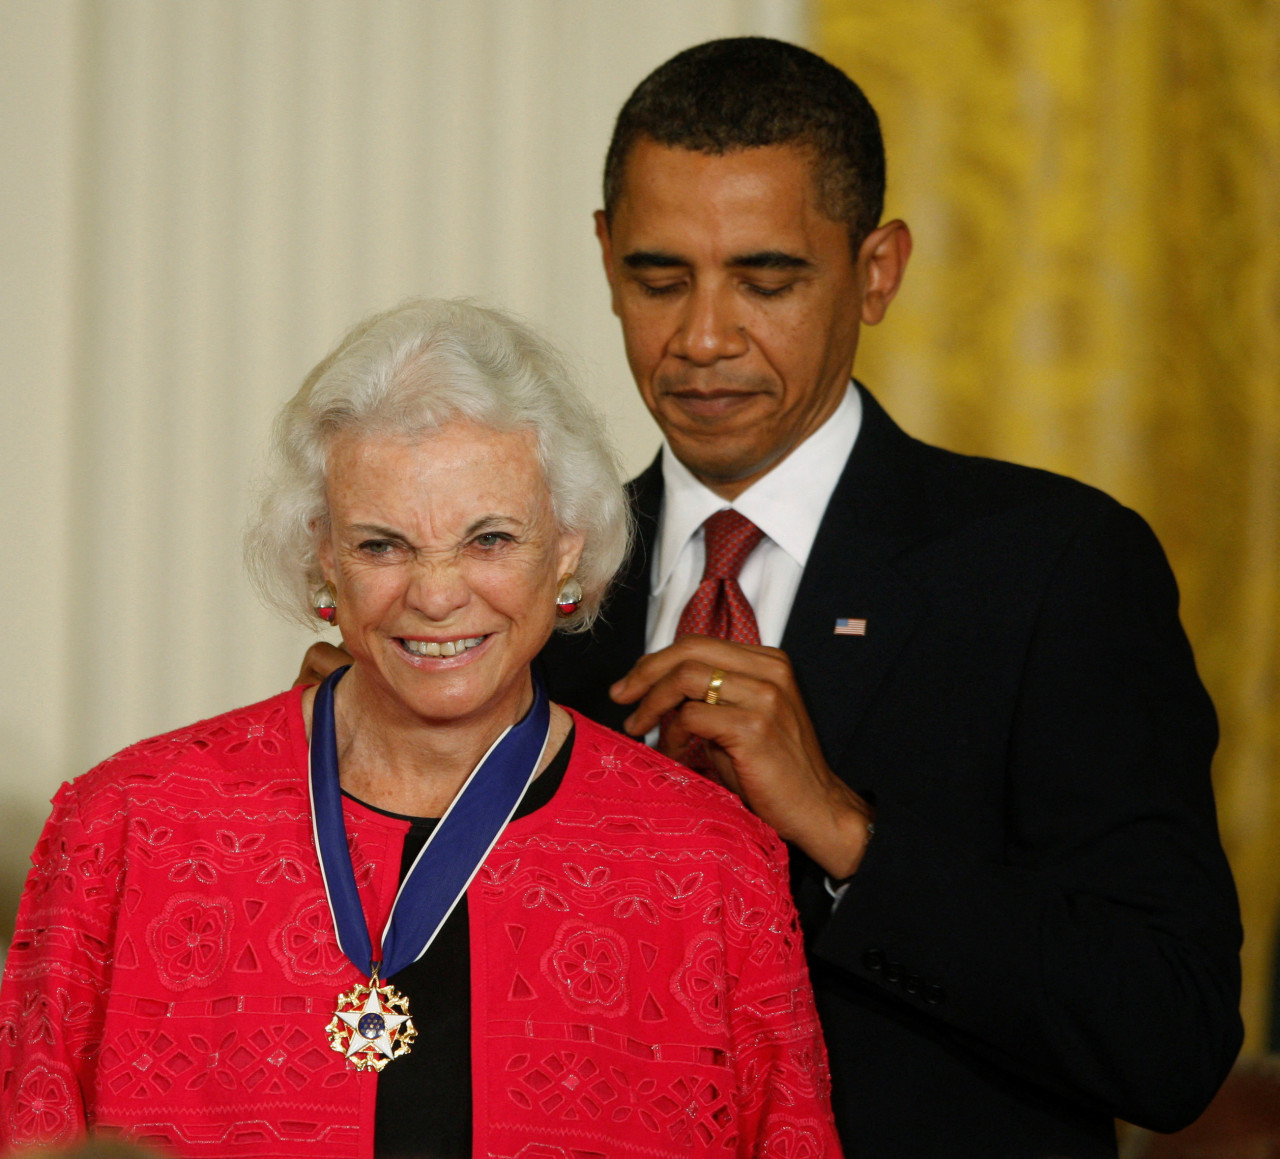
(882, 261)
(606, 255)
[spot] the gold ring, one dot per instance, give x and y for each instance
(713, 686)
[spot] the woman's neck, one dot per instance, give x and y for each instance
(395, 760)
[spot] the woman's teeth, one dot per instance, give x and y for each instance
(448, 648)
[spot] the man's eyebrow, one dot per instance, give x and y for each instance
(769, 260)
(650, 259)
(760, 260)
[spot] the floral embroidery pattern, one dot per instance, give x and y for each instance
(39, 1019)
(701, 983)
(53, 872)
(101, 873)
(232, 734)
(43, 1110)
(305, 945)
(697, 1113)
(593, 878)
(189, 940)
(608, 764)
(201, 868)
(151, 834)
(590, 965)
(564, 1083)
(804, 1070)
(543, 893)
(793, 1142)
(281, 869)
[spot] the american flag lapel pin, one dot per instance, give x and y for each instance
(851, 627)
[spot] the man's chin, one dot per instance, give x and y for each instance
(717, 465)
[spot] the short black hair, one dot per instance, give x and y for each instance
(750, 91)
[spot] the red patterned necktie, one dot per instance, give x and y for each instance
(717, 607)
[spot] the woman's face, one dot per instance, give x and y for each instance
(446, 560)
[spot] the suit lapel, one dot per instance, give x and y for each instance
(580, 668)
(860, 568)
(627, 610)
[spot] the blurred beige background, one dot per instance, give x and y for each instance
(199, 195)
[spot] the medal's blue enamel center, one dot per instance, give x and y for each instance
(372, 1025)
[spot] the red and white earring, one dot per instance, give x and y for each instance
(325, 602)
(569, 598)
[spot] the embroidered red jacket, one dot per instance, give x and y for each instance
(638, 983)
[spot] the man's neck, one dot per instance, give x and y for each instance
(787, 502)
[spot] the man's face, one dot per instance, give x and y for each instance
(739, 301)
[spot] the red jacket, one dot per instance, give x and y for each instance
(638, 982)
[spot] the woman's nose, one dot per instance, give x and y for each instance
(438, 589)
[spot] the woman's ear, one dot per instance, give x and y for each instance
(570, 548)
(324, 550)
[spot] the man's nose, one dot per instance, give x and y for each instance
(710, 328)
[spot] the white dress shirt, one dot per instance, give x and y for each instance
(787, 504)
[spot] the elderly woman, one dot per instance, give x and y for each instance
(418, 910)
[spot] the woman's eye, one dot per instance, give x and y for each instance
(491, 539)
(377, 547)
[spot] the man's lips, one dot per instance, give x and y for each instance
(710, 403)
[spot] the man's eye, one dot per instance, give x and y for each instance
(768, 291)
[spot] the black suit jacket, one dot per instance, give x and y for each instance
(1044, 931)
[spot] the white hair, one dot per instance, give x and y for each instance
(410, 371)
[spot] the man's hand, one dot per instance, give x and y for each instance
(321, 659)
(758, 736)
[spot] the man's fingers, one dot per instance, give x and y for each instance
(687, 680)
(728, 726)
(723, 765)
(758, 738)
(321, 659)
(677, 735)
(651, 668)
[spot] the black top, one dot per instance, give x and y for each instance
(424, 1097)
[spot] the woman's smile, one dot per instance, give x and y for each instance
(446, 649)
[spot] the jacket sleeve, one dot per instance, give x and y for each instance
(1097, 953)
(780, 1062)
(55, 980)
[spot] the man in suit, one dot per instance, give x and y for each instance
(964, 697)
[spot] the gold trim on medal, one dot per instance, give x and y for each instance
(371, 1026)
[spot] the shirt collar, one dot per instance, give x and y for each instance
(786, 503)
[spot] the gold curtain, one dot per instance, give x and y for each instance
(1094, 189)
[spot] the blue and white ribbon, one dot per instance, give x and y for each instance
(453, 854)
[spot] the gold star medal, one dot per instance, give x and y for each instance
(371, 1025)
